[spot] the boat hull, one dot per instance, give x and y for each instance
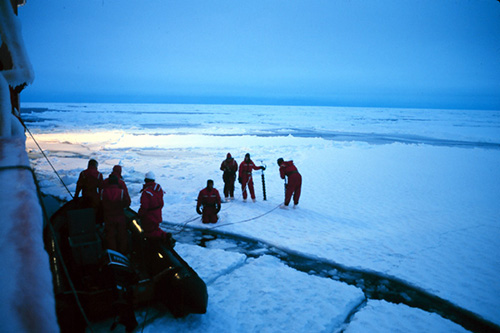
(81, 266)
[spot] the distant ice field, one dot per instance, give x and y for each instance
(374, 125)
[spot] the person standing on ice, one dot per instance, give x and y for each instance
(209, 199)
(245, 176)
(150, 210)
(229, 166)
(90, 183)
(288, 169)
(114, 199)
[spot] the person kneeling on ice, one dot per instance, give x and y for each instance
(288, 169)
(209, 198)
(150, 210)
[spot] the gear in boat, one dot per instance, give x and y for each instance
(109, 284)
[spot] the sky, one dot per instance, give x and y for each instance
(391, 53)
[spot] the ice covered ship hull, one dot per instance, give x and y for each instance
(108, 285)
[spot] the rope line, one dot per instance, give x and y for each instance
(44, 155)
(247, 220)
(182, 225)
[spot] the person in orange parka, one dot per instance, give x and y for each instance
(245, 176)
(90, 183)
(209, 198)
(229, 166)
(294, 185)
(114, 199)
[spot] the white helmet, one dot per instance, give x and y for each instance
(150, 175)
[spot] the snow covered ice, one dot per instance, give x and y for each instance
(408, 194)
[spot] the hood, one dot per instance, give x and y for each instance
(117, 170)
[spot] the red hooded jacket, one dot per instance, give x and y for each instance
(229, 165)
(114, 199)
(288, 169)
(89, 183)
(209, 199)
(117, 171)
(151, 205)
(246, 168)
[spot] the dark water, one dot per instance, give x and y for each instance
(374, 285)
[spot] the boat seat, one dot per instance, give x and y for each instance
(86, 246)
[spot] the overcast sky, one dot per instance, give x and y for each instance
(399, 53)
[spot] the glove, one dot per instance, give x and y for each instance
(198, 210)
(169, 240)
(263, 168)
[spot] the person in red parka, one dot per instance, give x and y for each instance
(245, 176)
(114, 199)
(89, 184)
(288, 169)
(117, 171)
(150, 210)
(209, 199)
(229, 166)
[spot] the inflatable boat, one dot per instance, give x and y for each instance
(92, 283)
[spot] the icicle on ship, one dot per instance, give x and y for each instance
(92, 283)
